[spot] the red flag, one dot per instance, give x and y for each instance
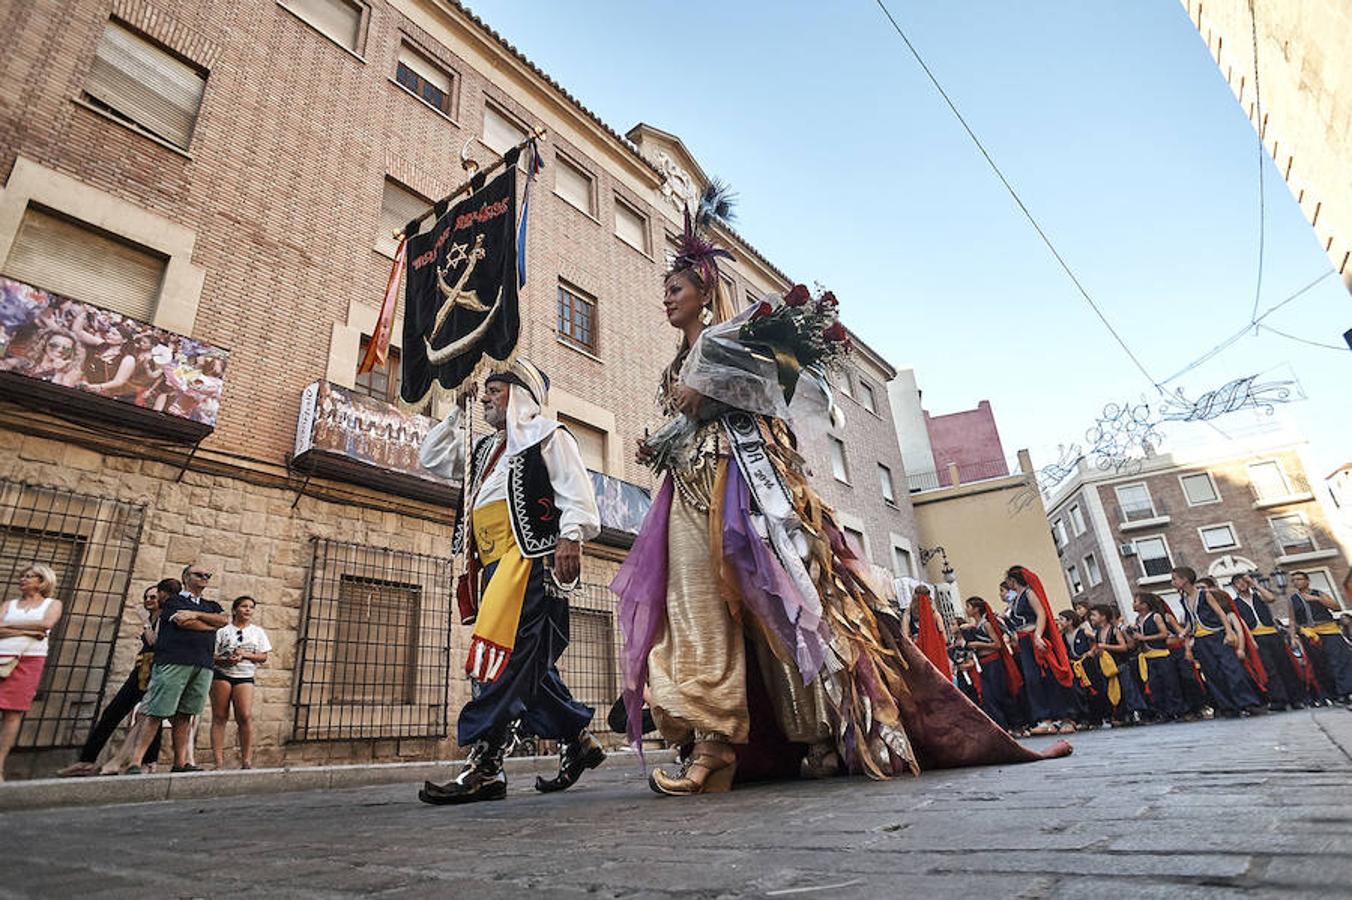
(1253, 663)
(378, 349)
(930, 637)
(1013, 677)
(1054, 657)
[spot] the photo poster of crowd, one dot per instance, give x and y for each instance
(79, 346)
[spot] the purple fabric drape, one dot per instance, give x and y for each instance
(641, 585)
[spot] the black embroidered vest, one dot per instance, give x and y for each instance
(530, 499)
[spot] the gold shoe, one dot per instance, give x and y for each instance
(716, 777)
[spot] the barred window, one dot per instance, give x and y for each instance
(589, 665)
(376, 656)
(577, 318)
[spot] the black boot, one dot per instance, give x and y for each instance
(482, 778)
(575, 757)
(618, 718)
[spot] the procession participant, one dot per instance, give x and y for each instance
(1246, 650)
(1156, 666)
(1253, 603)
(1001, 680)
(1111, 649)
(1329, 651)
(1081, 691)
(528, 497)
(926, 628)
(1213, 639)
(1047, 675)
(754, 629)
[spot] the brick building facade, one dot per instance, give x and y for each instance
(1222, 513)
(231, 175)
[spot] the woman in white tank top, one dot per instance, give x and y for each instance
(24, 626)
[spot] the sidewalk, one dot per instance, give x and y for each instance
(49, 793)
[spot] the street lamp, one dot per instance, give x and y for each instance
(1280, 579)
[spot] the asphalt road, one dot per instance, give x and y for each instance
(1254, 807)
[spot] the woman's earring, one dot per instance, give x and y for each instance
(706, 316)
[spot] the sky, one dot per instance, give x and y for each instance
(1110, 119)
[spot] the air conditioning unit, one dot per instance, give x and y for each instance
(1127, 549)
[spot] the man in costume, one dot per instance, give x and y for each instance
(1312, 613)
(528, 497)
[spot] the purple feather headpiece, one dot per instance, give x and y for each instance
(695, 250)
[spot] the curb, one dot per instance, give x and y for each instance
(51, 793)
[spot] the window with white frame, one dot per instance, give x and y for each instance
(1059, 533)
(1135, 502)
(885, 481)
(1292, 534)
(428, 81)
(1073, 578)
(501, 131)
(577, 318)
(1199, 488)
(1268, 479)
(631, 226)
(1092, 571)
(1076, 520)
(1153, 552)
(1320, 581)
(855, 538)
(838, 465)
(574, 184)
(336, 19)
(901, 561)
(145, 85)
(1173, 600)
(1218, 537)
(865, 396)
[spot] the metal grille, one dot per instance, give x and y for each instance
(589, 665)
(91, 543)
(375, 645)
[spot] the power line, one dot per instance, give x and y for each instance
(1304, 340)
(1262, 152)
(1018, 200)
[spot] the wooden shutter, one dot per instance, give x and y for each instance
(139, 80)
(425, 69)
(339, 19)
(65, 258)
(572, 184)
(500, 133)
(398, 207)
(590, 441)
(631, 227)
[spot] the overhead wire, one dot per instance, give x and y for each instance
(1305, 340)
(1262, 162)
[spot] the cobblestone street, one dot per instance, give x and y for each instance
(1208, 809)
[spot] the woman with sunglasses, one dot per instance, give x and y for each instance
(240, 647)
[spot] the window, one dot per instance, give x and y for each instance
(588, 664)
(64, 257)
(842, 384)
(501, 132)
(577, 318)
(382, 382)
(1135, 502)
(1059, 533)
(673, 249)
(1320, 581)
(1092, 571)
(572, 184)
(901, 561)
(336, 19)
(865, 396)
(590, 441)
(1218, 537)
(398, 207)
(631, 226)
(428, 81)
(838, 467)
(1269, 481)
(885, 479)
(751, 299)
(376, 652)
(1199, 488)
(1292, 534)
(141, 83)
(855, 539)
(1174, 600)
(1154, 555)
(1077, 520)
(1073, 578)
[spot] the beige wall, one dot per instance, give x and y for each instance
(985, 528)
(1306, 99)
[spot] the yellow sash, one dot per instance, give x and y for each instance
(500, 608)
(1144, 666)
(1322, 628)
(1108, 666)
(1077, 666)
(1262, 629)
(1202, 631)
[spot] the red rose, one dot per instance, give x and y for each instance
(763, 310)
(797, 297)
(836, 333)
(826, 302)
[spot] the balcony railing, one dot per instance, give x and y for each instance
(73, 358)
(950, 473)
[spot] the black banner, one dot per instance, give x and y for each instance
(460, 301)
